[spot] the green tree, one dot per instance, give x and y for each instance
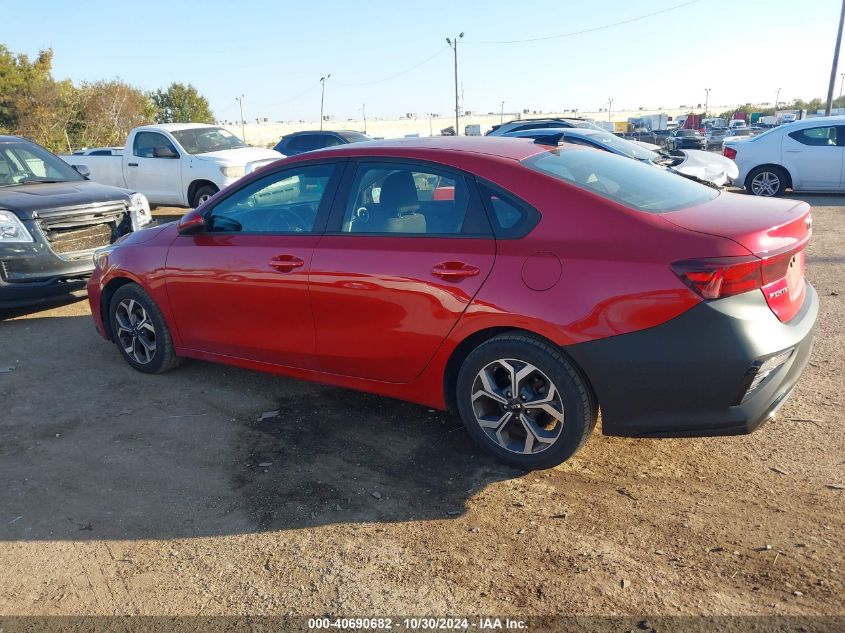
(181, 103)
(108, 110)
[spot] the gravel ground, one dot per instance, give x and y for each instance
(161, 495)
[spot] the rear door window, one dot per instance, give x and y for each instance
(816, 136)
(409, 199)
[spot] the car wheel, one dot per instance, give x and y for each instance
(139, 330)
(766, 181)
(523, 401)
(202, 194)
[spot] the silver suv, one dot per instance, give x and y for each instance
(534, 124)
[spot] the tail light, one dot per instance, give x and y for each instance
(730, 152)
(718, 277)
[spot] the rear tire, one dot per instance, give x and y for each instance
(202, 194)
(524, 402)
(139, 331)
(767, 181)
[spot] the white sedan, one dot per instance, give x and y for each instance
(806, 155)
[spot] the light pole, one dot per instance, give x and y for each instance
(777, 97)
(609, 106)
(454, 45)
(835, 62)
(240, 100)
(842, 81)
(706, 100)
(323, 97)
(430, 129)
(502, 114)
(364, 110)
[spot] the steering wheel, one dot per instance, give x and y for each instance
(361, 215)
(286, 220)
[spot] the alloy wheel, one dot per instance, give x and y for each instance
(517, 406)
(765, 183)
(135, 331)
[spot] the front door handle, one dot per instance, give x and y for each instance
(286, 263)
(454, 271)
(131, 164)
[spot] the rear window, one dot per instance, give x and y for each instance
(629, 182)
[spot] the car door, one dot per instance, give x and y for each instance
(407, 248)
(814, 157)
(154, 168)
(240, 288)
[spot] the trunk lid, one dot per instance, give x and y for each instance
(775, 231)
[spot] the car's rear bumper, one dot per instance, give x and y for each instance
(689, 376)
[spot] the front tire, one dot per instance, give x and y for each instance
(202, 194)
(766, 181)
(139, 331)
(524, 402)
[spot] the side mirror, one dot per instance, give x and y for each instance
(164, 152)
(191, 223)
(82, 170)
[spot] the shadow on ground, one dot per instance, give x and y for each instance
(92, 449)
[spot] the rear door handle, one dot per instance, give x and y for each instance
(286, 263)
(794, 151)
(454, 271)
(131, 164)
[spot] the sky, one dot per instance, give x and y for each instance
(392, 57)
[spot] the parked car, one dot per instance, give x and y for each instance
(696, 164)
(804, 155)
(181, 164)
(520, 285)
(685, 138)
(534, 124)
(714, 137)
(51, 221)
(307, 141)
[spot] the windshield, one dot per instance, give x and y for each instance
(355, 137)
(630, 183)
(201, 140)
(621, 146)
(22, 162)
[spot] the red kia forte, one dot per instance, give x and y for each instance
(521, 285)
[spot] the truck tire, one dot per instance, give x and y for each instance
(202, 194)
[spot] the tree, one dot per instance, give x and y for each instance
(181, 103)
(108, 110)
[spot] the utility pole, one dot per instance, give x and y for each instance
(609, 106)
(842, 81)
(240, 100)
(364, 110)
(835, 61)
(454, 45)
(706, 100)
(502, 114)
(323, 97)
(777, 97)
(430, 129)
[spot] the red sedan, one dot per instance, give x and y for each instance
(521, 285)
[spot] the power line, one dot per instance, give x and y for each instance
(394, 76)
(592, 30)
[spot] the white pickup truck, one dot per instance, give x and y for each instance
(180, 164)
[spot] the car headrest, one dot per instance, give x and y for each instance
(399, 194)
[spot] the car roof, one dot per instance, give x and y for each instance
(7, 138)
(568, 131)
(323, 132)
(175, 127)
(499, 146)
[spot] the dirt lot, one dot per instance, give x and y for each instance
(131, 494)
